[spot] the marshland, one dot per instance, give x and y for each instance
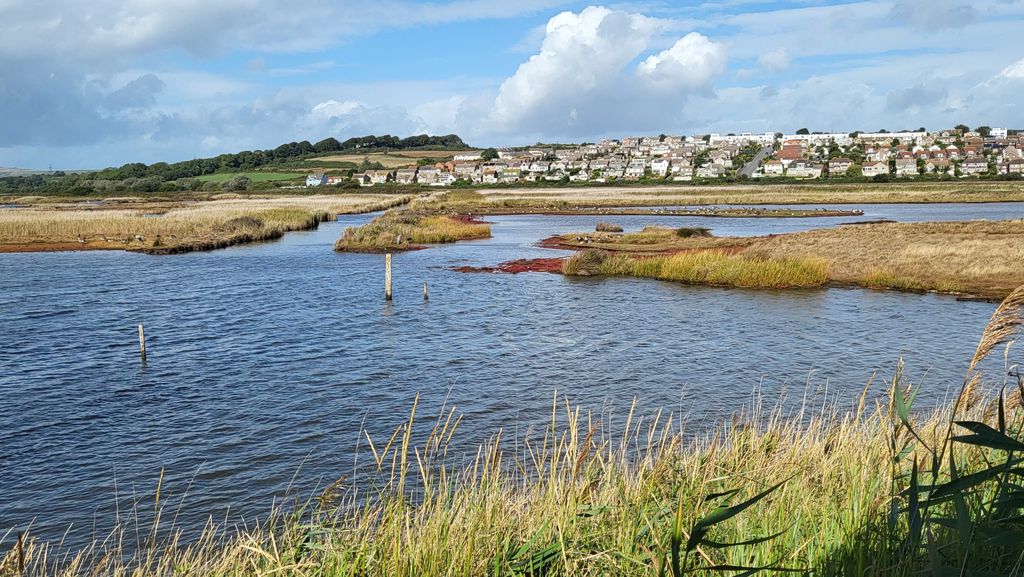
(171, 226)
(976, 257)
(563, 425)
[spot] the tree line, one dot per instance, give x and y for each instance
(153, 177)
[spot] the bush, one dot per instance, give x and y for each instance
(692, 231)
(607, 227)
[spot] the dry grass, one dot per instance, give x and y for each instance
(175, 227)
(669, 195)
(976, 257)
(406, 230)
(572, 500)
(982, 257)
(707, 267)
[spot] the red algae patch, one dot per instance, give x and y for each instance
(553, 265)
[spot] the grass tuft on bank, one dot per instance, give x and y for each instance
(407, 230)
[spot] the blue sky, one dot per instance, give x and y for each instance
(86, 85)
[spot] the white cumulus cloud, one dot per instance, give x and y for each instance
(583, 79)
(690, 64)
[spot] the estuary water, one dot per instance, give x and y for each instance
(266, 361)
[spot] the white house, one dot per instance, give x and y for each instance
(660, 166)
(316, 179)
(468, 156)
(906, 167)
(774, 168)
(875, 168)
(804, 169)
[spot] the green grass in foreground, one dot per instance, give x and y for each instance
(255, 176)
(711, 267)
(872, 492)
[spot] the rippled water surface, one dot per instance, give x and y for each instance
(265, 361)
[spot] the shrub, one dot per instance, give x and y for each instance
(607, 227)
(691, 231)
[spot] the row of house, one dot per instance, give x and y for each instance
(683, 158)
(900, 154)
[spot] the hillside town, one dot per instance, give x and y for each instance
(954, 153)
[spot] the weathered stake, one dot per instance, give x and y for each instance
(387, 276)
(142, 342)
(425, 296)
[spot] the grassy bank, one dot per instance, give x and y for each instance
(406, 230)
(173, 227)
(709, 267)
(976, 257)
(876, 490)
(537, 199)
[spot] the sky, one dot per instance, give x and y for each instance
(106, 82)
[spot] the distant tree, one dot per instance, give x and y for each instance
(962, 128)
(985, 131)
(921, 129)
(327, 145)
(489, 154)
(237, 183)
(854, 134)
(883, 131)
(895, 141)
(803, 131)
(662, 137)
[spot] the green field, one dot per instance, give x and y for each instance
(255, 176)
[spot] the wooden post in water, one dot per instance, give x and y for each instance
(142, 342)
(387, 276)
(425, 297)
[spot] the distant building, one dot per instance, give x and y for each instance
(906, 167)
(839, 166)
(774, 168)
(974, 165)
(871, 169)
(804, 169)
(316, 179)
